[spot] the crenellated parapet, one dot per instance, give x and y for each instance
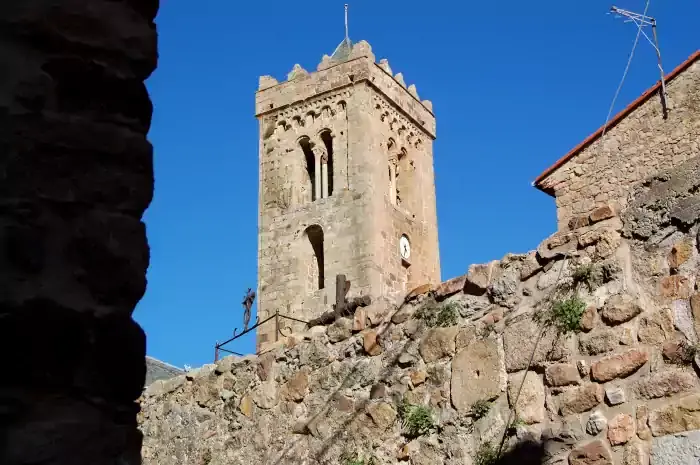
(333, 74)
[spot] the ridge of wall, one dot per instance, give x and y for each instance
(622, 388)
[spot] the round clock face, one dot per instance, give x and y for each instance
(404, 248)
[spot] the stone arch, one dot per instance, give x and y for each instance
(309, 177)
(326, 137)
(314, 258)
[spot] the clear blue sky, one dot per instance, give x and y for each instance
(514, 85)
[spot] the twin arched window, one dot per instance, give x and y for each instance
(318, 157)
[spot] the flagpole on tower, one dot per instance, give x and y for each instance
(347, 36)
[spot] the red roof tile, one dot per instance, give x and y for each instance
(613, 122)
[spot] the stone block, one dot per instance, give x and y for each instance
(620, 308)
(676, 287)
(666, 383)
(530, 267)
(476, 374)
(598, 342)
(655, 327)
(450, 287)
(635, 453)
(340, 330)
(680, 253)
(561, 374)
(370, 343)
(478, 278)
(438, 343)
(682, 415)
(530, 406)
(596, 423)
(618, 365)
(519, 337)
(615, 395)
(580, 399)
(601, 213)
(589, 318)
(676, 449)
(621, 429)
(592, 453)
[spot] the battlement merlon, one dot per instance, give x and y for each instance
(360, 68)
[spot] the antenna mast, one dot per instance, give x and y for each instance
(347, 36)
(642, 20)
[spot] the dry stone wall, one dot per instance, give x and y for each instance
(589, 341)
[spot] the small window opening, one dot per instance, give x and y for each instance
(310, 180)
(327, 139)
(316, 272)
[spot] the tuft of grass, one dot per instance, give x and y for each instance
(486, 454)
(517, 421)
(359, 461)
(479, 409)
(417, 420)
(588, 275)
(436, 315)
(566, 314)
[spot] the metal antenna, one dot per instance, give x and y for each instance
(643, 20)
(347, 36)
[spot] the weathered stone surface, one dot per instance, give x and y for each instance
(476, 374)
(642, 417)
(683, 320)
(557, 272)
(478, 278)
(620, 429)
(676, 287)
(266, 395)
(561, 374)
(583, 367)
(620, 308)
(298, 386)
(530, 406)
(676, 449)
(618, 365)
(465, 336)
(450, 287)
(655, 327)
(530, 267)
(371, 343)
(635, 453)
(438, 343)
(682, 415)
(556, 246)
(602, 213)
(340, 330)
(580, 399)
(418, 377)
(588, 319)
(579, 222)
(382, 414)
(695, 309)
(504, 285)
(666, 383)
(596, 423)
(615, 395)
(592, 453)
(519, 339)
(359, 319)
(599, 342)
(680, 253)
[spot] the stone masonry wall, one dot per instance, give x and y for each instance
(613, 378)
(642, 144)
(358, 114)
(76, 174)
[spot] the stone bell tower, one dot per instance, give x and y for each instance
(346, 187)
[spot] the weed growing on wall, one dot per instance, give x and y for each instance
(479, 409)
(485, 455)
(438, 315)
(417, 419)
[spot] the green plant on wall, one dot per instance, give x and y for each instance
(479, 409)
(566, 313)
(588, 275)
(438, 315)
(417, 420)
(486, 454)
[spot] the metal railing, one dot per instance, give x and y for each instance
(218, 347)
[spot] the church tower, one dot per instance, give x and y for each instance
(346, 187)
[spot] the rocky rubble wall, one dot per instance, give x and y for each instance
(599, 326)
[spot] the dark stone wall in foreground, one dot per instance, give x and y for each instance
(76, 175)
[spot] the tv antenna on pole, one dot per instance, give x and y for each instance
(642, 20)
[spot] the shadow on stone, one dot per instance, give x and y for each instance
(527, 452)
